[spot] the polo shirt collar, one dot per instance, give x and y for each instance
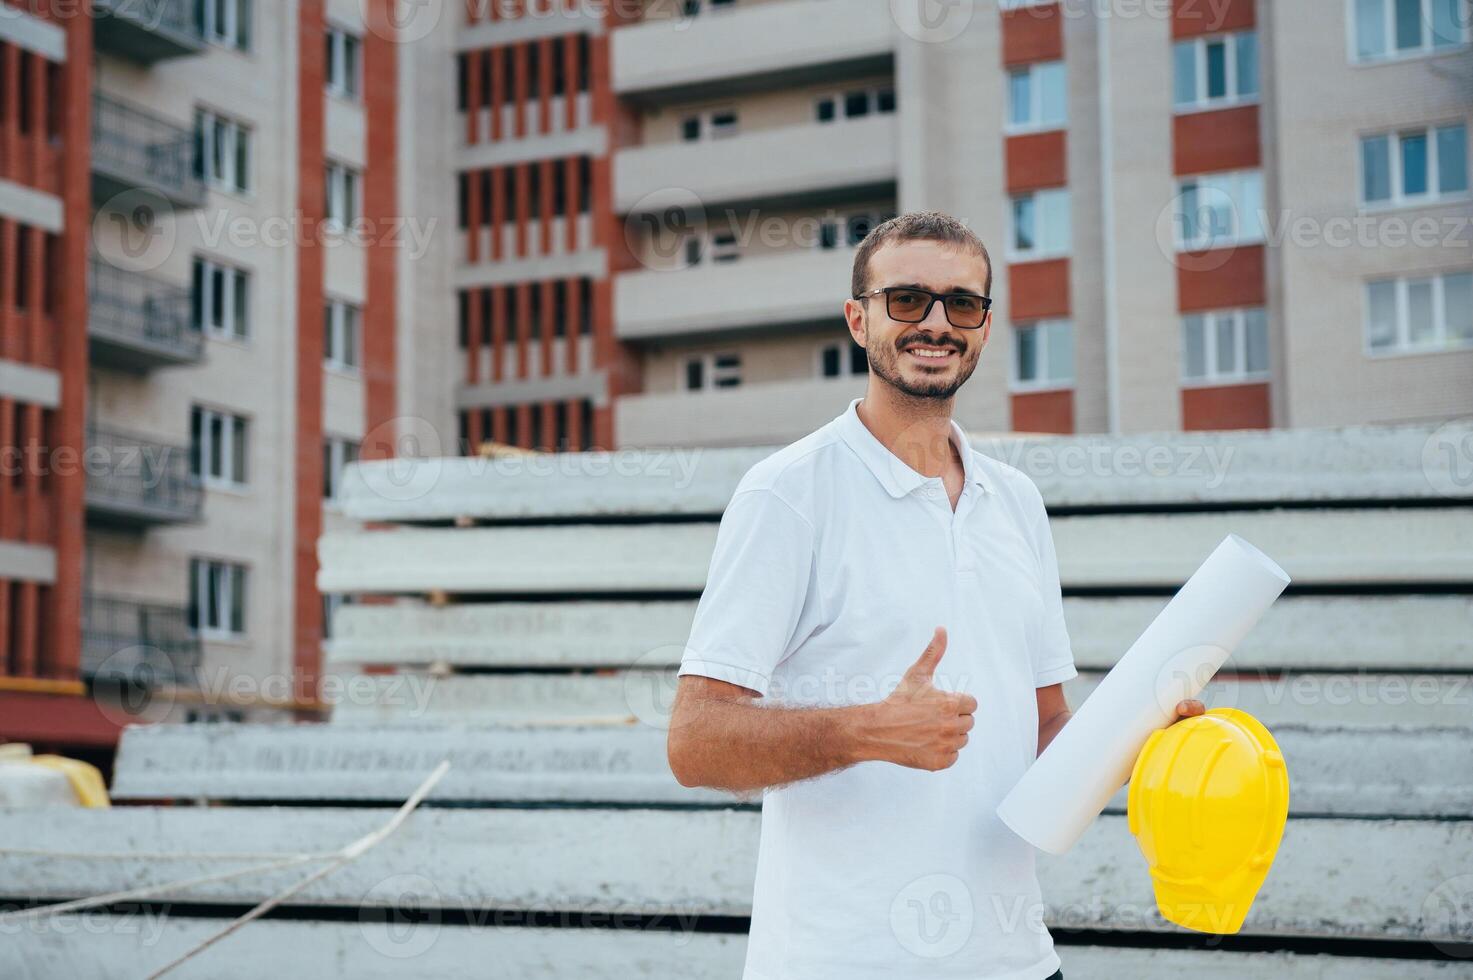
(894, 474)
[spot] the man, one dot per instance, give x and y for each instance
(880, 649)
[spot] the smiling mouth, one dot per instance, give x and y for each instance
(931, 355)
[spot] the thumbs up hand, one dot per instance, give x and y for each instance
(919, 725)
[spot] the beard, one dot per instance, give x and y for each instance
(884, 361)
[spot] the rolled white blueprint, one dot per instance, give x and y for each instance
(1092, 756)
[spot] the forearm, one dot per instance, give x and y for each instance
(740, 745)
(1050, 727)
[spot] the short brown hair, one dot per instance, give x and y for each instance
(914, 226)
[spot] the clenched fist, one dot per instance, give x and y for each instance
(918, 725)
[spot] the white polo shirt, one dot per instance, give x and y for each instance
(834, 563)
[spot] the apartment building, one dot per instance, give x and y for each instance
(198, 203)
(1202, 215)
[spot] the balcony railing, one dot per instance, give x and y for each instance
(135, 150)
(146, 31)
(136, 482)
(136, 322)
(149, 644)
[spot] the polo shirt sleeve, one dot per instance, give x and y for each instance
(1053, 657)
(755, 592)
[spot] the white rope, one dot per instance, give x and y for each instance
(349, 853)
(341, 856)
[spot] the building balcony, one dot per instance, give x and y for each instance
(146, 31)
(137, 482)
(815, 163)
(144, 643)
(137, 323)
(772, 413)
(806, 285)
(134, 150)
(751, 49)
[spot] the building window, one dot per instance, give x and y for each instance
(854, 104)
(1220, 209)
(337, 453)
(1216, 71)
(1419, 315)
(340, 335)
(331, 603)
(225, 22)
(217, 447)
(1415, 165)
(1037, 97)
(849, 229)
(693, 7)
(1041, 224)
(217, 598)
(1403, 28)
(343, 64)
(712, 371)
(343, 203)
(222, 156)
(220, 300)
(1226, 347)
(713, 124)
(839, 360)
(724, 247)
(1043, 355)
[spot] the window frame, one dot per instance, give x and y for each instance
(1238, 237)
(1392, 54)
(709, 371)
(342, 327)
(347, 82)
(845, 353)
(1213, 376)
(202, 451)
(1402, 348)
(200, 567)
(837, 96)
(344, 186)
(1016, 383)
(1234, 99)
(1038, 253)
(212, 127)
(1398, 198)
(236, 33)
(338, 452)
(1036, 123)
(237, 282)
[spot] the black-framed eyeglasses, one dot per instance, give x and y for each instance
(908, 304)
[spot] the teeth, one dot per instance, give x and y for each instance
(922, 352)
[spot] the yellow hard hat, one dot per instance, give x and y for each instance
(1208, 800)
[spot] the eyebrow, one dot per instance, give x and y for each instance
(951, 289)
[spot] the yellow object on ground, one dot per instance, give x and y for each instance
(84, 779)
(1207, 804)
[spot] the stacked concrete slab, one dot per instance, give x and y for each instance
(523, 617)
